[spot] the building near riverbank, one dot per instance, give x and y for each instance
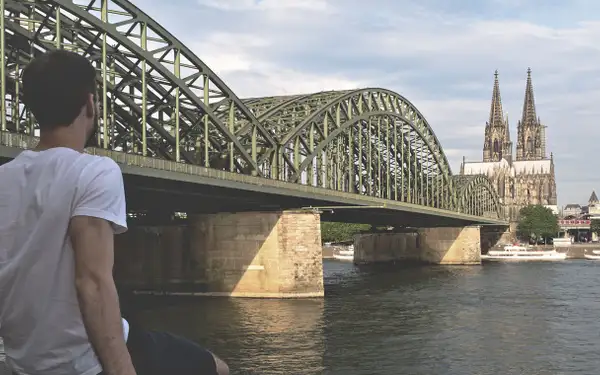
(590, 211)
(526, 176)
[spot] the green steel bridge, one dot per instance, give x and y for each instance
(186, 142)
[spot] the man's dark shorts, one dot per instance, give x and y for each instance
(161, 353)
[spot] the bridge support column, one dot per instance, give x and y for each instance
(253, 254)
(459, 245)
(259, 254)
(495, 236)
(150, 257)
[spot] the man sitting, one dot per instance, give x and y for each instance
(59, 211)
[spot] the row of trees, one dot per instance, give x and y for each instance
(344, 232)
(341, 232)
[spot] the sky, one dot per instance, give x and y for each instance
(439, 54)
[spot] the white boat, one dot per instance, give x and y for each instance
(347, 254)
(522, 253)
(594, 256)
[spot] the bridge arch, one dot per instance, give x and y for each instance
(159, 99)
(475, 195)
(373, 141)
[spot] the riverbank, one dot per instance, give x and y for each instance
(578, 251)
(329, 250)
(574, 251)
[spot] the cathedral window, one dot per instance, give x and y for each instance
(529, 145)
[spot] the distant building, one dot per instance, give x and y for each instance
(593, 207)
(591, 211)
(571, 209)
(576, 220)
(529, 177)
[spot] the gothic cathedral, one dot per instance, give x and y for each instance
(528, 177)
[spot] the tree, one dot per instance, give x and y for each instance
(341, 232)
(537, 222)
(595, 226)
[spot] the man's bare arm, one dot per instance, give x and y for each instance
(93, 244)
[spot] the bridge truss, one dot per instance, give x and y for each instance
(160, 100)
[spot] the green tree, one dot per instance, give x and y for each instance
(536, 222)
(341, 232)
(595, 226)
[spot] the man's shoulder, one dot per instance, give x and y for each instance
(100, 163)
(99, 170)
(93, 165)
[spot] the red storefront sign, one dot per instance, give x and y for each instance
(570, 223)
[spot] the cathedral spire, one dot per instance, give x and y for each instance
(497, 144)
(531, 136)
(529, 116)
(507, 128)
(496, 113)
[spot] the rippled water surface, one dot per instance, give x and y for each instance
(526, 319)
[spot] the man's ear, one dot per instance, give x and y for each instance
(90, 106)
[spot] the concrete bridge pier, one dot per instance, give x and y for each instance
(250, 254)
(260, 254)
(492, 236)
(453, 245)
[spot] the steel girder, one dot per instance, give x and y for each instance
(158, 98)
(477, 196)
(369, 141)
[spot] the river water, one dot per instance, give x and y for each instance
(520, 318)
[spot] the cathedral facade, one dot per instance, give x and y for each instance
(523, 176)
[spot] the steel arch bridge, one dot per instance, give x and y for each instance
(160, 100)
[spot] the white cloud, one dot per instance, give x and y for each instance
(265, 5)
(439, 58)
(229, 52)
(236, 57)
(281, 81)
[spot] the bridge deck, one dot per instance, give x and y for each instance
(151, 182)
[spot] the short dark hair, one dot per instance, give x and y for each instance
(56, 85)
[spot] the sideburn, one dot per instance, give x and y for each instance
(92, 140)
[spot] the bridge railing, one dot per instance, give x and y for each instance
(23, 141)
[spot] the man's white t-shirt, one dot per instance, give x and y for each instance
(40, 192)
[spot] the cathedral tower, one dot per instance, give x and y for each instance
(497, 144)
(527, 179)
(531, 134)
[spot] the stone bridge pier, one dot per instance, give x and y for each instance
(492, 236)
(250, 254)
(453, 245)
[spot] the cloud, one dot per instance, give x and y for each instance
(233, 56)
(265, 5)
(439, 55)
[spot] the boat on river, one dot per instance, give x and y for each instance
(346, 255)
(513, 253)
(594, 256)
